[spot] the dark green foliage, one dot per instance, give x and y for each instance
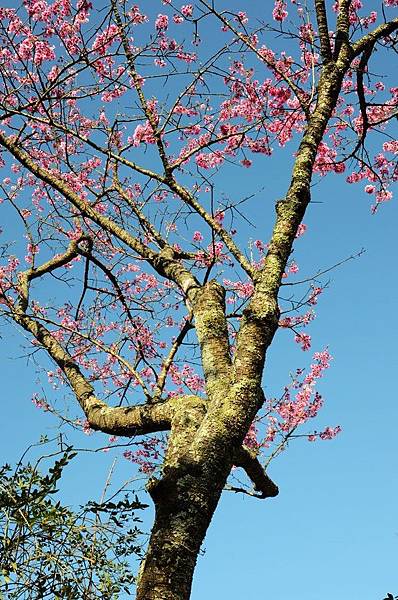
(48, 550)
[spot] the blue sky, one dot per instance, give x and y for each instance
(333, 530)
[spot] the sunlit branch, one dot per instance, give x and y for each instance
(372, 37)
(323, 28)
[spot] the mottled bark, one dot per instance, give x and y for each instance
(185, 501)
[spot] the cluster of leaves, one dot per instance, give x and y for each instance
(51, 551)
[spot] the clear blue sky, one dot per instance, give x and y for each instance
(333, 530)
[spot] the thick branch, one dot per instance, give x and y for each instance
(263, 484)
(342, 28)
(127, 421)
(372, 37)
(260, 318)
(323, 28)
(211, 326)
(77, 201)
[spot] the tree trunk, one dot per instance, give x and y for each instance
(185, 504)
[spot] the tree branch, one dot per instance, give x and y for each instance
(247, 459)
(342, 28)
(77, 201)
(373, 36)
(126, 421)
(164, 262)
(322, 21)
(298, 92)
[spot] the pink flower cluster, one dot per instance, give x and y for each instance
(279, 13)
(147, 456)
(305, 404)
(105, 39)
(187, 10)
(304, 340)
(37, 50)
(186, 376)
(162, 22)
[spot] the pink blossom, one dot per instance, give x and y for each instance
(246, 163)
(162, 22)
(86, 427)
(330, 432)
(391, 146)
(313, 297)
(383, 196)
(53, 73)
(143, 133)
(197, 236)
(279, 13)
(186, 56)
(251, 440)
(39, 402)
(261, 247)
(243, 289)
(38, 50)
(187, 10)
(304, 340)
(209, 160)
(105, 39)
(301, 229)
(136, 17)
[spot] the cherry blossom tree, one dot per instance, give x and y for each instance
(130, 274)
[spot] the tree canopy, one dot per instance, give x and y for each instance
(129, 272)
